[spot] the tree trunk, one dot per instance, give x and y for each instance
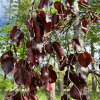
(78, 34)
(60, 83)
(93, 77)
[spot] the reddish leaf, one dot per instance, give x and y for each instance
(53, 76)
(55, 19)
(59, 6)
(83, 1)
(68, 4)
(18, 96)
(50, 67)
(28, 44)
(47, 86)
(45, 75)
(93, 17)
(64, 97)
(16, 35)
(37, 81)
(28, 78)
(37, 30)
(26, 97)
(76, 40)
(13, 31)
(33, 88)
(33, 97)
(84, 59)
(74, 93)
(8, 62)
(58, 50)
(31, 56)
(19, 76)
(73, 46)
(41, 18)
(85, 22)
(48, 47)
(42, 4)
(15, 68)
(23, 63)
(72, 59)
(63, 63)
(67, 14)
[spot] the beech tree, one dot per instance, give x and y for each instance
(43, 35)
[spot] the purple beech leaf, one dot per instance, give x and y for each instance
(84, 59)
(47, 86)
(59, 6)
(55, 19)
(53, 76)
(45, 75)
(28, 44)
(26, 97)
(76, 40)
(64, 97)
(72, 59)
(37, 32)
(93, 17)
(74, 92)
(16, 35)
(33, 88)
(46, 25)
(33, 97)
(42, 4)
(50, 67)
(31, 56)
(48, 47)
(18, 96)
(13, 31)
(85, 22)
(68, 3)
(8, 62)
(57, 48)
(15, 68)
(19, 76)
(28, 78)
(73, 46)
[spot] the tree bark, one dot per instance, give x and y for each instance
(78, 34)
(93, 77)
(60, 83)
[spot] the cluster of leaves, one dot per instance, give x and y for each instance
(38, 46)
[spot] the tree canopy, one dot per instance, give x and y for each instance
(45, 28)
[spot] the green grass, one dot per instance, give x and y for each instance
(41, 94)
